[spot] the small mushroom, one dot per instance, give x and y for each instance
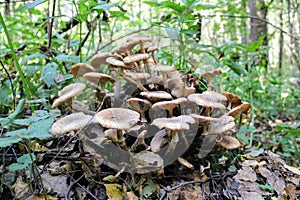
(168, 105)
(241, 109)
(140, 141)
(67, 93)
(233, 100)
(140, 105)
(229, 142)
(70, 122)
(208, 76)
(205, 102)
(100, 59)
(136, 58)
(174, 124)
(79, 69)
(96, 77)
(119, 119)
(164, 69)
(138, 77)
(183, 91)
(225, 123)
(139, 40)
(156, 95)
(152, 50)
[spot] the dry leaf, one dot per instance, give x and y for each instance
(20, 188)
(246, 174)
(131, 196)
(55, 183)
(113, 191)
(292, 169)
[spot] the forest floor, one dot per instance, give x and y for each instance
(66, 172)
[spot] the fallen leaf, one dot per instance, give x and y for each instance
(250, 196)
(131, 196)
(55, 183)
(20, 188)
(113, 191)
(292, 169)
(246, 174)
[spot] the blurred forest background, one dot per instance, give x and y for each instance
(256, 43)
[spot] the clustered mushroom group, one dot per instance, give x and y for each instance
(152, 106)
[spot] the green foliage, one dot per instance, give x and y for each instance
(22, 162)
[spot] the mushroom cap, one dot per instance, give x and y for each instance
(203, 119)
(100, 59)
(117, 118)
(138, 75)
(199, 100)
(136, 58)
(234, 99)
(140, 105)
(213, 96)
(174, 123)
(138, 39)
(225, 123)
(211, 74)
(229, 142)
(167, 105)
(96, 77)
(163, 68)
(151, 49)
(241, 109)
(80, 69)
(183, 91)
(156, 95)
(70, 122)
(154, 80)
(115, 62)
(68, 92)
(175, 83)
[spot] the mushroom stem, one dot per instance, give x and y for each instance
(121, 139)
(140, 85)
(164, 75)
(143, 117)
(209, 84)
(170, 112)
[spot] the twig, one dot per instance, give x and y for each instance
(84, 39)
(51, 26)
(11, 84)
(184, 184)
(71, 185)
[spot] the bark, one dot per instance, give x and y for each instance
(7, 8)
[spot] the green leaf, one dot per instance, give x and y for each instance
(32, 4)
(266, 187)
(18, 132)
(49, 72)
(33, 56)
(8, 141)
(149, 189)
(238, 69)
(104, 6)
(241, 134)
(18, 110)
(173, 33)
(40, 129)
(22, 162)
(67, 58)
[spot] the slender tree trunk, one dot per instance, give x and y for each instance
(280, 39)
(7, 8)
(244, 24)
(254, 35)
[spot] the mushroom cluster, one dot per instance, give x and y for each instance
(154, 113)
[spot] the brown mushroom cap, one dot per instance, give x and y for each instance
(138, 39)
(69, 123)
(241, 109)
(183, 91)
(233, 99)
(203, 119)
(67, 93)
(174, 123)
(229, 142)
(136, 58)
(163, 68)
(138, 75)
(199, 100)
(168, 105)
(117, 118)
(175, 83)
(100, 59)
(213, 96)
(115, 62)
(96, 77)
(156, 95)
(225, 123)
(80, 69)
(139, 105)
(151, 49)
(210, 74)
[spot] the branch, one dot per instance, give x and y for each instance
(256, 18)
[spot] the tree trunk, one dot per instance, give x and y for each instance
(280, 39)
